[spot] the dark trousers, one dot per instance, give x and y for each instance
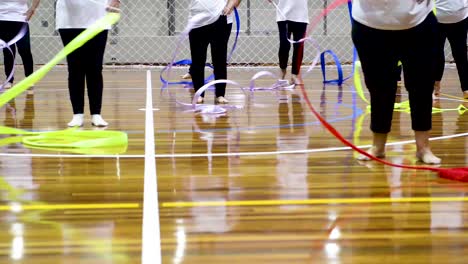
(85, 64)
(217, 36)
(379, 52)
(8, 30)
(297, 29)
(456, 35)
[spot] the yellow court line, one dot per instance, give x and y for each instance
(316, 201)
(20, 207)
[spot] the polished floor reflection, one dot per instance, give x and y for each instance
(262, 184)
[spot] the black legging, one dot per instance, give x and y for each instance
(85, 63)
(297, 29)
(456, 34)
(217, 36)
(9, 29)
(379, 52)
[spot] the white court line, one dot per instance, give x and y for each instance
(189, 155)
(151, 234)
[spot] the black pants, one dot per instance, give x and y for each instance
(217, 36)
(379, 52)
(85, 63)
(297, 29)
(456, 34)
(8, 30)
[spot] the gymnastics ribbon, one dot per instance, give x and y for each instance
(189, 62)
(338, 64)
(73, 138)
(7, 45)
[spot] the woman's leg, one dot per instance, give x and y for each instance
(76, 71)
(298, 30)
(439, 56)
(284, 46)
(94, 50)
(24, 50)
(379, 59)
(219, 43)
(198, 38)
(418, 57)
(457, 37)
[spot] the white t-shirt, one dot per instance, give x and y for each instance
(79, 13)
(391, 14)
(293, 10)
(13, 10)
(451, 11)
(208, 12)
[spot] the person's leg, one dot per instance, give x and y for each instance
(76, 76)
(439, 56)
(219, 43)
(284, 47)
(418, 58)
(379, 59)
(94, 50)
(198, 49)
(457, 36)
(24, 50)
(298, 30)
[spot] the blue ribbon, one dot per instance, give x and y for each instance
(339, 66)
(189, 62)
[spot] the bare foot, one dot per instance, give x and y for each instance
(374, 152)
(465, 95)
(437, 89)
(427, 156)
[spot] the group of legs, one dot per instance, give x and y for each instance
(217, 36)
(84, 65)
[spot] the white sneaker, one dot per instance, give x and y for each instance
(77, 120)
(186, 76)
(221, 100)
(281, 83)
(8, 85)
(97, 120)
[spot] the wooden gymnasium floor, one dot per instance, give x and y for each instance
(60, 207)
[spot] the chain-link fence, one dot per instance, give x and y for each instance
(148, 30)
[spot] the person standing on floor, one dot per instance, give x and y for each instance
(292, 18)
(383, 33)
(14, 14)
(453, 25)
(214, 29)
(84, 64)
